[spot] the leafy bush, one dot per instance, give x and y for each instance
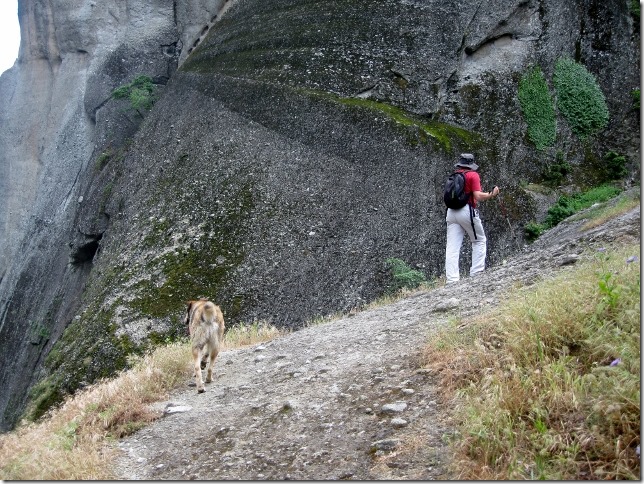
(533, 230)
(567, 206)
(403, 276)
(599, 215)
(140, 92)
(579, 98)
(555, 173)
(615, 166)
(563, 209)
(538, 108)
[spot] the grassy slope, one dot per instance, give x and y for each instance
(547, 386)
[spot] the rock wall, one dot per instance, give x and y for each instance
(56, 119)
(299, 145)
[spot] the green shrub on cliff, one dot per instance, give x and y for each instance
(140, 92)
(569, 205)
(636, 94)
(614, 166)
(538, 108)
(555, 173)
(579, 98)
(635, 9)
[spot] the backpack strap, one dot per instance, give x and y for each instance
(472, 220)
(472, 213)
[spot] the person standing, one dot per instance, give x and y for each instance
(466, 220)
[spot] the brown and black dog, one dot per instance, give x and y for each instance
(206, 326)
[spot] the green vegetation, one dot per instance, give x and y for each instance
(533, 231)
(614, 167)
(579, 98)
(568, 205)
(73, 360)
(636, 94)
(403, 276)
(600, 214)
(556, 172)
(538, 108)
(443, 133)
(38, 333)
(141, 93)
(635, 8)
(193, 270)
(548, 385)
(103, 158)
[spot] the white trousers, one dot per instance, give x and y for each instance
(459, 223)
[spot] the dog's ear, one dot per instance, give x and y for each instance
(189, 303)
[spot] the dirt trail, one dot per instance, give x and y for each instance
(337, 400)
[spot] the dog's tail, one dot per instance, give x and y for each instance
(209, 311)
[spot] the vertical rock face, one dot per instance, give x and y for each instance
(299, 145)
(55, 117)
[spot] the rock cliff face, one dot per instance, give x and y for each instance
(295, 145)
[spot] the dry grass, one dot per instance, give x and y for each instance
(532, 384)
(251, 334)
(72, 442)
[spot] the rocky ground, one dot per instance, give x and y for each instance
(346, 399)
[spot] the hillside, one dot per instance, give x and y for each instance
(346, 399)
(274, 155)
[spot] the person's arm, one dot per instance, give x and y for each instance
(481, 196)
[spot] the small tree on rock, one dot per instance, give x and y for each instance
(141, 93)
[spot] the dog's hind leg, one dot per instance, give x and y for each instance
(211, 364)
(196, 357)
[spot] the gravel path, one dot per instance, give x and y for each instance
(339, 400)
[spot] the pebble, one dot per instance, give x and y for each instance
(569, 260)
(394, 407)
(451, 303)
(398, 423)
(178, 409)
(386, 445)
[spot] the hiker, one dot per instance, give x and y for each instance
(465, 220)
